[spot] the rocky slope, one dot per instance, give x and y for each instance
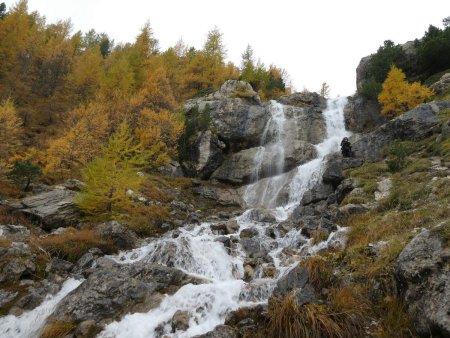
(388, 261)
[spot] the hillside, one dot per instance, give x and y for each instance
(150, 193)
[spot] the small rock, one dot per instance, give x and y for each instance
(57, 265)
(220, 331)
(351, 209)
(6, 297)
(383, 189)
(180, 321)
(248, 233)
(87, 328)
(261, 215)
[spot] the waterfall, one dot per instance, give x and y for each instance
(266, 192)
(196, 250)
(271, 149)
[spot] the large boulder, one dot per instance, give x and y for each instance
(52, 209)
(113, 290)
(227, 197)
(423, 279)
(260, 162)
(415, 124)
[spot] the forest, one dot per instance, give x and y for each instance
(63, 93)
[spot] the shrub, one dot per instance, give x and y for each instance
(398, 153)
(370, 89)
(23, 173)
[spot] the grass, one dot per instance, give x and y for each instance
(72, 244)
(394, 321)
(7, 216)
(356, 199)
(319, 271)
(318, 236)
(289, 320)
(368, 175)
(58, 329)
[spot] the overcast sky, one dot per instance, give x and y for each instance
(315, 41)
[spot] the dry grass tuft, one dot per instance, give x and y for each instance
(73, 244)
(289, 320)
(394, 320)
(58, 329)
(319, 271)
(8, 216)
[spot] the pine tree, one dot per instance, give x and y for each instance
(398, 95)
(110, 176)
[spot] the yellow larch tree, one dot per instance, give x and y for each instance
(109, 177)
(398, 95)
(158, 132)
(10, 130)
(68, 154)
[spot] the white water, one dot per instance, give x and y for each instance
(30, 324)
(271, 149)
(266, 192)
(194, 250)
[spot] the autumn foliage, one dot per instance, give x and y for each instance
(72, 90)
(111, 177)
(398, 95)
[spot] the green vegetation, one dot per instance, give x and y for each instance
(23, 173)
(380, 64)
(109, 177)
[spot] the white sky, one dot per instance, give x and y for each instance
(315, 40)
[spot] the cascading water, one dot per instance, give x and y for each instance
(271, 149)
(274, 150)
(265, 192)
(30, 323)
(196, 250)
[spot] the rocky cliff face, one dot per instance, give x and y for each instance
(240, 126)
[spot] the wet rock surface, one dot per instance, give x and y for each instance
(112, 290)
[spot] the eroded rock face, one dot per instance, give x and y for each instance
(239, 125)
(423, 279)
(241, 168)
(112, 290)
(362, 115)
